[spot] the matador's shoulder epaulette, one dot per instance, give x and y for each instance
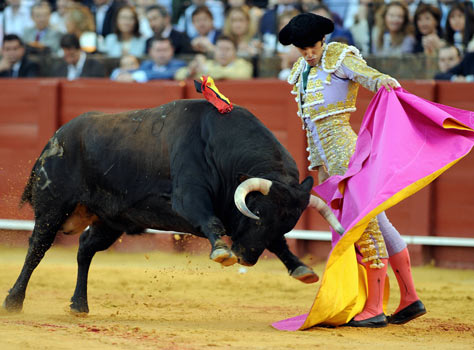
(296, 71)
(334, 55)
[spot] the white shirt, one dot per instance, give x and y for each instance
(1, 29)
(15, 23)
(16, 69)
(74, 71)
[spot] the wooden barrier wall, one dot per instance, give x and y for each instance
(31, 110)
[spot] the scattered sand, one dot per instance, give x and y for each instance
(181, 301)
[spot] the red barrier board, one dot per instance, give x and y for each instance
(28, 118)
(107, 96)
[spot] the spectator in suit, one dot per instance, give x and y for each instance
(104, 13)
(126, 38)
(463, 72)
(225, 65)
(207, 35)
(186, 22)
(160, 23)
(42, 37)
(16, 18)
(14, 63)
(75, 63)
(162, 63)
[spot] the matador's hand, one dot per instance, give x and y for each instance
(389, 83)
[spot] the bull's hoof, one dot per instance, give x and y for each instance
(223, 256)
(78, 308)
(305, 274)
(12, 305)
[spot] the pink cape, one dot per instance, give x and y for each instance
(404, 143)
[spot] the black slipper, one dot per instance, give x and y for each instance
(409, 313)
(373, 322)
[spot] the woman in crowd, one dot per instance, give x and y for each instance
(428, 31)
(393, 31)
(239, 27)
(460, 27)
(126, 38)
(80, 22)
(254, 12)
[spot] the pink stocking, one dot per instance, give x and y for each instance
(376, 283)
(400, 263)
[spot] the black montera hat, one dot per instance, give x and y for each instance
(305, 30)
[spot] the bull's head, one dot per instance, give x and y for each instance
(272, 215)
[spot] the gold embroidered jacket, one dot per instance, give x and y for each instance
(332, 85)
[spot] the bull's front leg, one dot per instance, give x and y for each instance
(198, 210)
(296, 268)
(220, 252)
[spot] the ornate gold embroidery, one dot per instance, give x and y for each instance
(313, 97)
(296, 71)
(372, 245)
(366, 76)
(332, 54)
(314, 84)
(328, 79)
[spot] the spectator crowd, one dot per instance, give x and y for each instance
(183, 39)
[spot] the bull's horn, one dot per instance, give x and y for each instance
(250, 185)
(326, 212)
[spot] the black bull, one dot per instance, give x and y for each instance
(181, 167)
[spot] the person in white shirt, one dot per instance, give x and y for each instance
(16, 18)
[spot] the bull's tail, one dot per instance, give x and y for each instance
(51, 148)
(27, 195)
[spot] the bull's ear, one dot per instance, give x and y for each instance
(307, 184)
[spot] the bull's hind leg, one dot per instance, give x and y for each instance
(97, 238)
(295, 267)
(40, 241)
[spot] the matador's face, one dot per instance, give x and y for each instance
(313, 54)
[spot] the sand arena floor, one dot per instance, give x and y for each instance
(181, 301)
